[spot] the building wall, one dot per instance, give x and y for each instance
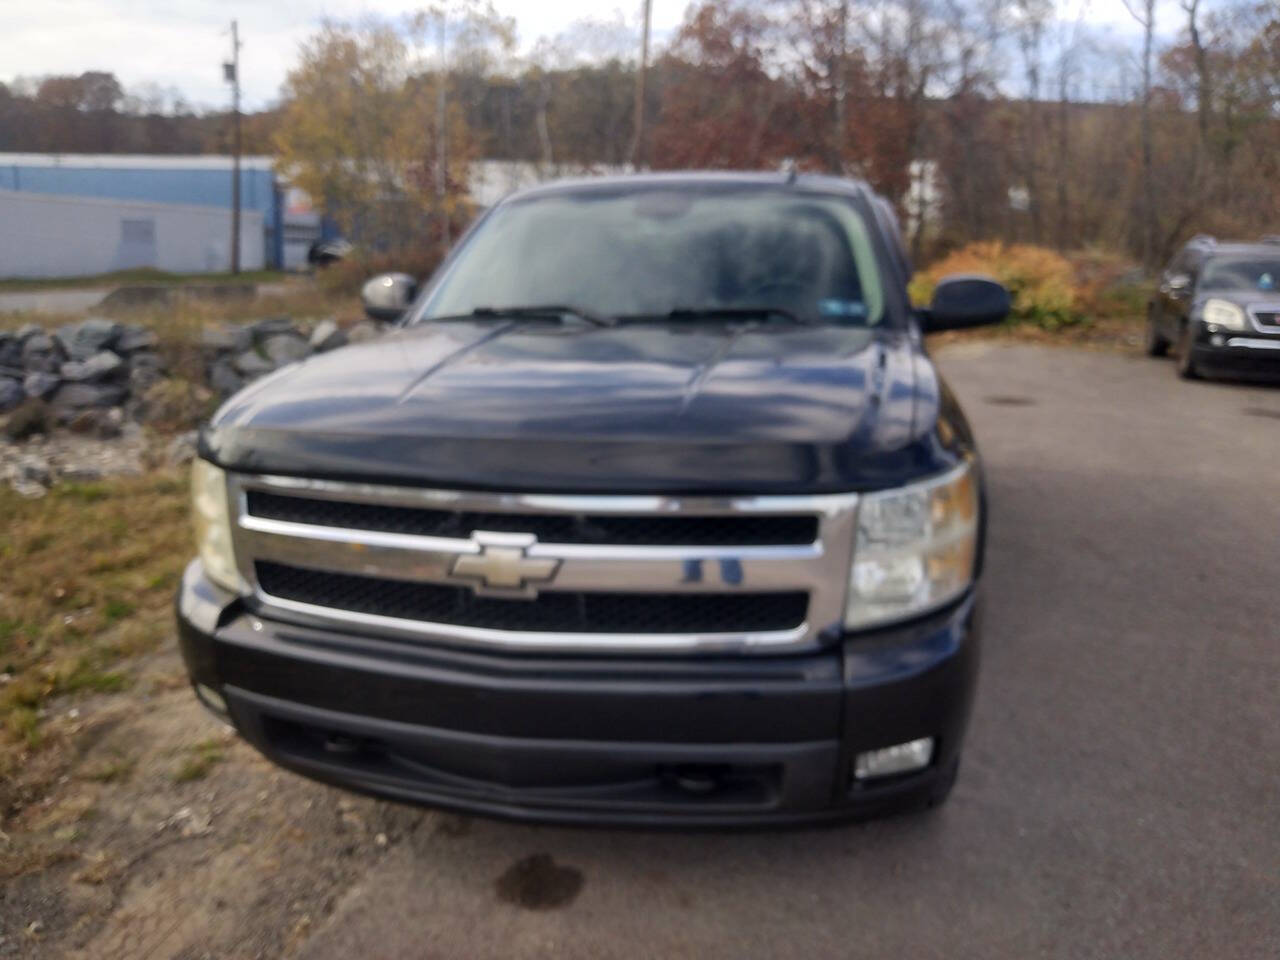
(43, 235)
(186, 180)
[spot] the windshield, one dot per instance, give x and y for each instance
(1242, 273)
(646, 253)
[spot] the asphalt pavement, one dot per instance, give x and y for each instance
(1120, 793)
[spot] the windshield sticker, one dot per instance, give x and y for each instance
(1266, 282)
(842, 308)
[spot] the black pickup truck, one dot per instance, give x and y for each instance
(650, 509)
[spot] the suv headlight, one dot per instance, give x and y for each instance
(1224, 313)
(213, 525)
(914, 550)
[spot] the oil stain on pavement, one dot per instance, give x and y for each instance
(1010, 401)
(538, 883)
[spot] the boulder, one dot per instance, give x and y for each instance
(28, 330)
(11, 393)
(82, 340)
(40, 384)
(285, 348)
(77, 396)
(251, 363)
(100, 366)
(10, 351)
(133, 338)
(29, 419)
(242, 337)
(327, 336)
(40, 354)
(224, 379)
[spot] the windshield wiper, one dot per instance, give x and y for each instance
(549, 310)
(735, 313)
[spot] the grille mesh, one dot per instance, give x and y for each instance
(728, 531)
(551, 611)
(1270, 318)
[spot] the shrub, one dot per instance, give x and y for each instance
(1041, 282)
(175, 404)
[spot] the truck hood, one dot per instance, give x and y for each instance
(534, 405)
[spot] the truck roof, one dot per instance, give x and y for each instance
(693, 179)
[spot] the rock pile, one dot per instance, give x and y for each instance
(235, 354)
(96, 364)
(101, 380)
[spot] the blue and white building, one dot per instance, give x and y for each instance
(77, 214)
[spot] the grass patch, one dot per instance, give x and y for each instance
(199, 761)
(111, 770)
(89, 577)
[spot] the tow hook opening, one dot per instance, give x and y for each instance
(697, 779)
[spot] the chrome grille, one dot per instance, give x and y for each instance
(550, 610)
(650, 530)
(546, 572)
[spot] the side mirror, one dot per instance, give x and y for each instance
(966, 301)
(388, 295)
(1179, 284)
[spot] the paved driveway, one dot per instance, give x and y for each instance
(1121, 792)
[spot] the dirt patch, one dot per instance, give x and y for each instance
(538, 883)
(130, 853)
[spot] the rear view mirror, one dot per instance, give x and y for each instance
(966, 301)
(388, 295)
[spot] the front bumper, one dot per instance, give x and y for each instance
(695, 741)
(1230, 353)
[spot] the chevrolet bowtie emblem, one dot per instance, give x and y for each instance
(502, 565)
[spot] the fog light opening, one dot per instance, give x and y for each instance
(1217, 340)
(888, 761)
(212, 701)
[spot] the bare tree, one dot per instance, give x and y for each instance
(1144, 11)
(1032, 18)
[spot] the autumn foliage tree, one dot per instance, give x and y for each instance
(719, 106)
(371, 132)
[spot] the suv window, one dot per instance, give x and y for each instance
(649, 251)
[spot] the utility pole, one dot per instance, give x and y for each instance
(637, 140)
(231, 73)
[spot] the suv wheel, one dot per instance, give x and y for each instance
(1156, 345)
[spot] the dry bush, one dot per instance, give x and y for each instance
(1043, 284)
(346, 277)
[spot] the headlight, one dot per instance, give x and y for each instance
(1224, 313)
(213, 525)
(914, 550)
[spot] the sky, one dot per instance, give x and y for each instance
(182, 43)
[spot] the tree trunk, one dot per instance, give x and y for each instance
(1148, 187)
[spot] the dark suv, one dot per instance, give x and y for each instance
(651, 509)
(1219, 303)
